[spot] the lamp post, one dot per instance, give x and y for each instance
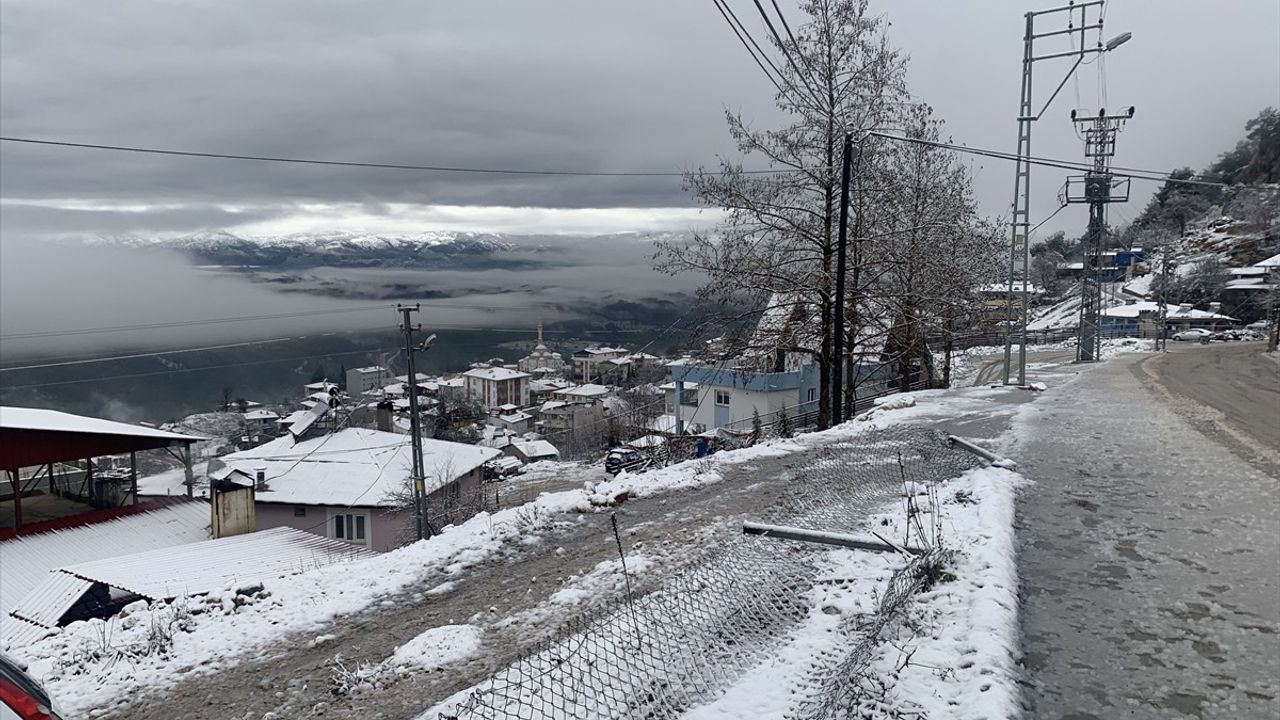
(1020, 225)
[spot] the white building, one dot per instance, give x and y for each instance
(493, 387)
(366, 379)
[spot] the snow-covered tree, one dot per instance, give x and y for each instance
(777, 245)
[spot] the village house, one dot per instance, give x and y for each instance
(496, 386)
(261, 421)
(350, 485)
(366, 379)
(1142, 319)
(586, 362)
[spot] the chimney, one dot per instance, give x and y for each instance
(384, 417)
(1215, 307)
(260, 477)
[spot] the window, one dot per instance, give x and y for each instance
(811, 395)
(722, 398)
(351, 527)
(300, 511)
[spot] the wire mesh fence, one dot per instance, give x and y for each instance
(683, 644)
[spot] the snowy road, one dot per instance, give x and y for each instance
(1148, 549)
(1230, 391)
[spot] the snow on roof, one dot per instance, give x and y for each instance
(1004, 288)
(29, 558)
(663, 423)
(1173, 312)
(324, 385)
(672, 386)
(648, 441)
(22, 418)
(552, 405)
(494, 373)
(421, 377)
(1273, 261)
(453, 383)
(589, 390)
(295, 416)
(509, 407)
(536, 449)
(191, 569)
(353, 467)
(370, 369)
(516, 417)
(605, 350)
(1251, 270)
(1248, 283)
(212, 564)
(260, 415)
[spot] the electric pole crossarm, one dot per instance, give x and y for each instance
(1068, 31)
(1067, 53)
(1065, 8)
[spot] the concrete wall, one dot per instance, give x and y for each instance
(385, 528)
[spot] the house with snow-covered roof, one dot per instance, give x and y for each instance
(1142, 319)
(349, 485)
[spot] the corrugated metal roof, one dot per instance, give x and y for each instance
(191, 569)
(213, 564)
(26, 560)
(51, 599)
(20, 418)
(16, 632)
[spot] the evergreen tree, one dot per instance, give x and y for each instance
(782, 426)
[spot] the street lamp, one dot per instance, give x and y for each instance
(1020, 225)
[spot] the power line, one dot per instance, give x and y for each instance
(351, 163)
(176, 371)
(157, 353)
(1135, 173)
(184, 323)
(724, 12)
(782, 46)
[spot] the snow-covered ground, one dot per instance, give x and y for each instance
(92, 666)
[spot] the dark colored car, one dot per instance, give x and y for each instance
(21, 697)
(628, 459)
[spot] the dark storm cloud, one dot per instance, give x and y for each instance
(578, 85)
(575, 84)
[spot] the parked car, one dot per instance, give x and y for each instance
(625, 458)
(21, 696)
(1192, 335)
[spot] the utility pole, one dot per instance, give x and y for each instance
(1017, 305)
(415, 427)
(1099, 189)
(842, 252)
(1162, 315)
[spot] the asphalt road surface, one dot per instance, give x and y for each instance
(1149, 539)
(1230, 391)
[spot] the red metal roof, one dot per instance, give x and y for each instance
(36, 436)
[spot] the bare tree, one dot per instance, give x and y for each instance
(776, 247)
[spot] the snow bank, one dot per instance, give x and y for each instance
(437, 647)
(963, 666)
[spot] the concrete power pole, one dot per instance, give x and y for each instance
(415, 426)
(1097, 189)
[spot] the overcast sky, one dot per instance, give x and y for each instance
(574, 85)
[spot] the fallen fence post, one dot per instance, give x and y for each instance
(994, 459)
(824, 538)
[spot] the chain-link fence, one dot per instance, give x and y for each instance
(681, 645)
